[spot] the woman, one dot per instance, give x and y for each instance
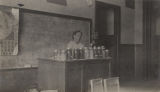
(75, 43)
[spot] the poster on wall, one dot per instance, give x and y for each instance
(9, 25)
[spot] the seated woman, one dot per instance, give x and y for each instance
(75, 43)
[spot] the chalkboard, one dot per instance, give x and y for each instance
(41, 33)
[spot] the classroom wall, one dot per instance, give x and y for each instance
(74, 7)
(131, 32)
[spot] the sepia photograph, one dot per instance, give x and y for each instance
(79, 45)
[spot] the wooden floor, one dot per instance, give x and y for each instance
(140, 86)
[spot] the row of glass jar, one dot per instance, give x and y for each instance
(81, 53)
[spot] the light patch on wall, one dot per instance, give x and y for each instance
(60, 2)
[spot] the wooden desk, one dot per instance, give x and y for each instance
(71, 76)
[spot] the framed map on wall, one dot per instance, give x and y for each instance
(9, 25)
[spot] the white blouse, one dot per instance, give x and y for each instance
(74, 45)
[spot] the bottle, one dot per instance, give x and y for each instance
(55, 54)
(63, 55)
(86, 53)
(80, 53)
(72, 54)
(98, 52)
(75, 56)
(103, 51)
(59, 55)
(68, 54)
(91, 45)
(95, 55)
(81, 50)
(106, 53)
(83, 53)
(91, 53)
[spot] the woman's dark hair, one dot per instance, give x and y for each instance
(75, 32)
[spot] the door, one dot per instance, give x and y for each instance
(152, 39)
(107, 25)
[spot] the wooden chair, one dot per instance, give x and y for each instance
(96, 85)
(111, 84)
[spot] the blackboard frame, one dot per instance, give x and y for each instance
(22, 10)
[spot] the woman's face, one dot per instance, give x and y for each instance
(77, 37)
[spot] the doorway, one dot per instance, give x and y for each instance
(107, 27)
(152, 39)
